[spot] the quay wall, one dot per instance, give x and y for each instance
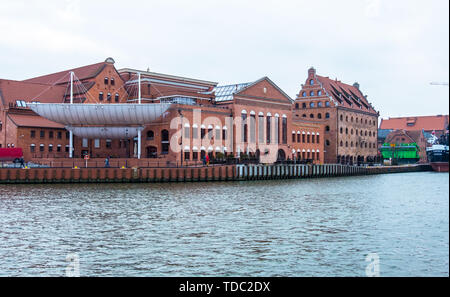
(192, 174)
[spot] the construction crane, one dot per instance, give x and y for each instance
(439, 83)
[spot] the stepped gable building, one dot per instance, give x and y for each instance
(429, 124)
(351, 122)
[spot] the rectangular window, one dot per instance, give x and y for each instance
(284, 130)
(41, 148)
(303, 138)
(293, 137)
(108, 97)
(32, 134)
(50, 134)
(194, 132)
(186, 132)
(112, 82)
(100, 96)
(108, 143)
(116, 98)
(42, 134)
(187, 155)
(298, 138)
(59, 135)
(32, 148)
(106, 80)
(202, 133)
(308, 138)
(58, 148)
(261, 129)
(84, 142)
(217, 134)
(67, 149)
(253, 128)
(97, 143)
(318, 156)
(313, 139)
(224, 134)
(318, 138)
(50, 148)
(195, 156)
(67, 135)
(268, 123)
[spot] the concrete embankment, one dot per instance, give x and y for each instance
(196, 174)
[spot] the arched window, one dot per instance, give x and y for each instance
(319, 104)
(346, 144)
(311, 116)
(304, 115)
(351, 131)
(352, 119)
(304, 94)
(150, 135)
(311, 93)
(327, 142)
(327, 128)
(351, 144)
(296, 106)
(342, 117)
(346, 130)
(303, 105)
(327, 115)
(342, 144)
(365, 133)
(311, 82)
(341, 130)
(319, 93)
(319, 115)
(327, 103)
(346, 118)
(311, 104)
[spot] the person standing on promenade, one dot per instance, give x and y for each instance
(207, 160)
(107, 162)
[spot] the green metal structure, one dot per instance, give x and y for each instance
(403, 152)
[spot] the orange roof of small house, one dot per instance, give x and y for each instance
(22, 120)
(427, 123)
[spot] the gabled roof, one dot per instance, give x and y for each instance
(412, 136)
(226, 93)
(21, 120)
(427, 123)
(84, 72)
(11, 91)
(346, 95)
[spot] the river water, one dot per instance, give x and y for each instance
(309, 227)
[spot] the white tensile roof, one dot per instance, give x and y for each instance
(100, 114)
(105, 132)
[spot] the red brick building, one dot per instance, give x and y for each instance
(413, 136)
(248, 120)
(350, 121)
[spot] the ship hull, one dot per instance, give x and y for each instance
(439, 166)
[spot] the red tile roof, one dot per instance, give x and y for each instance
(21, 120)
(11, 91)
(346, 95)
(427, 123)
(81, 73)
(413, 135)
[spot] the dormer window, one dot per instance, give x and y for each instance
(106, 80)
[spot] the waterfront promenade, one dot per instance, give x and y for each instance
(193, 174)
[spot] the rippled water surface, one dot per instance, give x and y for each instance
(310, 227)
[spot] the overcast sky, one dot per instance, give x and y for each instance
(394, 49)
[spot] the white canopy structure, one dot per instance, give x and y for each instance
(105, 132)
(100, 114)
